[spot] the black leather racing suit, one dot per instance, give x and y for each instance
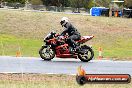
(73, 34)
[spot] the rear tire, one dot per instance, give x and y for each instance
(46, 53)
(86, 57)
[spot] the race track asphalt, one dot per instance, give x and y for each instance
(62, 66)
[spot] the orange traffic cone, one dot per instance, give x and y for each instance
(18, 54)
(100, 53)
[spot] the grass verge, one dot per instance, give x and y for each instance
(11, 44)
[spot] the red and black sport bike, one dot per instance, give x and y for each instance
(57, 46)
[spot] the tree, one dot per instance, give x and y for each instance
(77, 4)
(14, 1)
(53, 2)
(36, 2)
(128, 3)
(87, 4)
(0, 3)
(103, 3)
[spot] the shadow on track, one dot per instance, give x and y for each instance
(66, 61)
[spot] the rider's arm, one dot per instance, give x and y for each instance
(64, 32)
(67, 27)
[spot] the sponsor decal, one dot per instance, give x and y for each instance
(83, 78)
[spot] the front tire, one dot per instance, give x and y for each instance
(46, 53)
(88, 53)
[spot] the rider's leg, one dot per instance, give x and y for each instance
(71, 41)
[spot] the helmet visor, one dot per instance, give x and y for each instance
(62, 23)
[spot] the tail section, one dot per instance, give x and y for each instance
(85, 39)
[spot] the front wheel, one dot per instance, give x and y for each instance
(87, 55)
(46, 53)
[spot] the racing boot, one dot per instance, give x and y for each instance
(72, 50)
(79, 50)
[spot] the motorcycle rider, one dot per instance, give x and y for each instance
(72, 32)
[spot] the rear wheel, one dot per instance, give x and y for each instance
(87, 55)
(46, 53)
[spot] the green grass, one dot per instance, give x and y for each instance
(27, 29)
(11, 44)
(119, 49)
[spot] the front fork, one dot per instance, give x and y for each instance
(48, 47)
